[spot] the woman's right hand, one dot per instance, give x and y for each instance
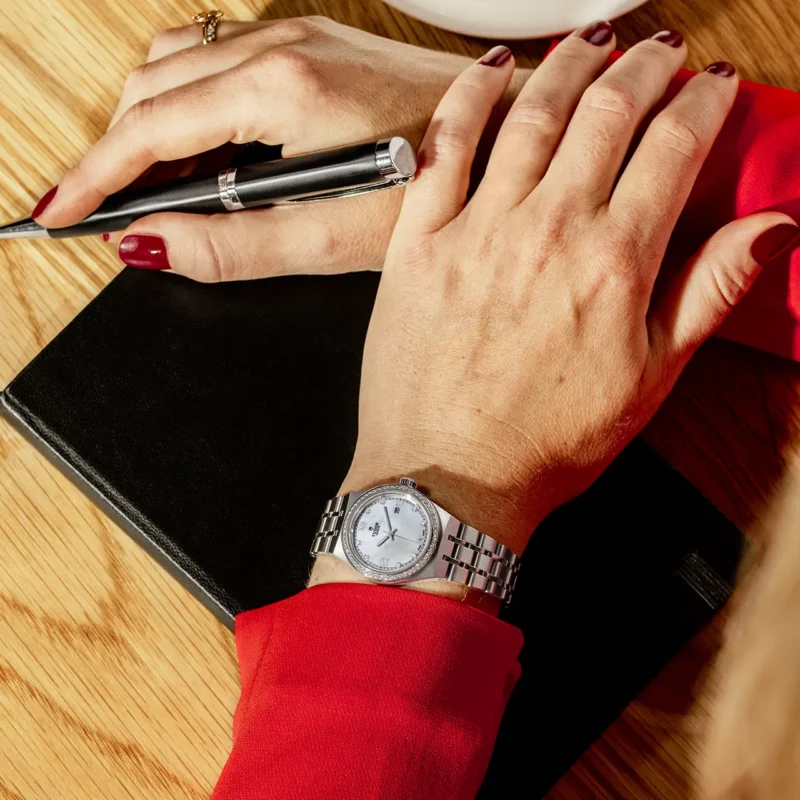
(519, 339)
(307, 84)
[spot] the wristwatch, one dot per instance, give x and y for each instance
(394, 534)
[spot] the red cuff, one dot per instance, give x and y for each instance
(352, 691)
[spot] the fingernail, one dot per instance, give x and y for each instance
(496, 57)
(671, 38)
(144, 252)
(598, 33)
(106, 237)
(774, 242)
(44, 202)
(721, 68)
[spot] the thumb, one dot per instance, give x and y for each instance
(247, 244)
(713, 282)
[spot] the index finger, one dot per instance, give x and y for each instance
(176, 124)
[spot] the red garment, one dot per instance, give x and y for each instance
(353, 691)
(358, 692)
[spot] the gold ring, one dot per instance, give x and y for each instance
(209, 20)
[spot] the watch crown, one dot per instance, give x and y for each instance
(407, 482)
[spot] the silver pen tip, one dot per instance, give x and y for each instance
(23, 229)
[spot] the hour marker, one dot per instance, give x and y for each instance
(384, 562)
(397, 509)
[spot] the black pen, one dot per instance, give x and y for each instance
(324, 175)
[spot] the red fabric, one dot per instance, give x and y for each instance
(354, 691)
(754, 166)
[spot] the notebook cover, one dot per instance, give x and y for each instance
(212, 423)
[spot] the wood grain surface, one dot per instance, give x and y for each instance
(114, 682)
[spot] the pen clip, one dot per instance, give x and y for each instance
(350, 192)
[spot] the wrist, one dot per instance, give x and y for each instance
(499, 507)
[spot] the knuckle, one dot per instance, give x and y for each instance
(614, 98)
(217, 260)
(295, 67)
(137, 78)
(730, 282)
(139, 113)
(656, 51)
(545, 113)
(679, 134)
(452, 139)
(574, 51)
(295, 27)
(620, 256)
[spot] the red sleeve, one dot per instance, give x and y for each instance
(354, 691)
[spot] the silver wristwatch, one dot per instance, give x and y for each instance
(394, 534)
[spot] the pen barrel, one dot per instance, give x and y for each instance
(312, 175)
(189, 196)
(308, 175)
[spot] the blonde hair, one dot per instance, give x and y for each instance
(753, 749)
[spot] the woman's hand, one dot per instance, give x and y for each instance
(517, 343)
(308, 84)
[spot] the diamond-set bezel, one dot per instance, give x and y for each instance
(348, 534)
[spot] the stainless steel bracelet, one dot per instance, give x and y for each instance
(480, 562)
(465, 556)
(330, 526)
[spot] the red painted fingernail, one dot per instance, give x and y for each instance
(44, 202)
(598, 33)
(671, 38)
(106, 237)
(775, 242)
(144, 252)
(721, 68)
(496, 57)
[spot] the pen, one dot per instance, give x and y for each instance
(327, 174)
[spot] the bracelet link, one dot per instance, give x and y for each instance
(329, 527)
(481, 562)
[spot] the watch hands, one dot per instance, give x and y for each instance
(388, 521)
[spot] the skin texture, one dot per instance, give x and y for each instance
(516, 343)
(308, 84)
(753, 749)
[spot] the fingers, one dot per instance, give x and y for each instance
(177, 124)
(536, 122)
(605, 121)
(189, 64)
(177, 39)
(711, 284)
(328, 238)
(659, 178)
(445, 156)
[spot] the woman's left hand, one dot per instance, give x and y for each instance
(517, 343)
(306, 84)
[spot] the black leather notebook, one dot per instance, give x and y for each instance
(213, 422)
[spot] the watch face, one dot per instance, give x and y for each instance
(390, 533)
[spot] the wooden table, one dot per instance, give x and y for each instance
(114, 682)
